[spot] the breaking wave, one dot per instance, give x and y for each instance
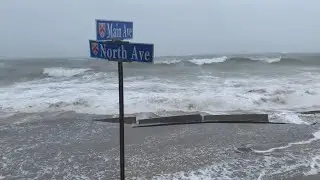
(238, 60)
(64, 72)
(223, 60)
(92, 87)
(97, 96)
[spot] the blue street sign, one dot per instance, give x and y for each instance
(109, 30)
(121, 51)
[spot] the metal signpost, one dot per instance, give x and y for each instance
(109, 46)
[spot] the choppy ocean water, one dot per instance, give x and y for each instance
(195, 83)
(278, 84)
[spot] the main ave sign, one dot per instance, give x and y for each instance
(110, 30)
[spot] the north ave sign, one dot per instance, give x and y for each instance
(109, 50)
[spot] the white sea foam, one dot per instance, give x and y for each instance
(168, 62)
(287, 117)
(254, 168)
(209, 61)
(237, 169)
(268, 59)
(98, 93)
(315, 138)
(263, 173)
(221, 59)
(314, 166)
(224, 170)
(63, 72)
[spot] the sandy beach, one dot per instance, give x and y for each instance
(74, 146)
(311, 177)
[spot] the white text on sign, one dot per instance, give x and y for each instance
(114, 31)
(122, 53)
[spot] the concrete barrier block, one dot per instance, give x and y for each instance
(127, 120)
(163, 124)
(237, 118)
(173, 119)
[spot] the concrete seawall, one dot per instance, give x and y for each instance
(197, 118)
(237, 118)
(127, 120)
(192, 119)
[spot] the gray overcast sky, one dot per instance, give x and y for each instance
(176, 27)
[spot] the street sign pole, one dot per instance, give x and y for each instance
(109, 46)
(121, 119)
(121, 115)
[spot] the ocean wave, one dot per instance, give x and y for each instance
(168, 62)
(237, 60)
(64, 72)
(209, 61)
(144, 95)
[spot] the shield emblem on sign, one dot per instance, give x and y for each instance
(95, 48)
(102, 29)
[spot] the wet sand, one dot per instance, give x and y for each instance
(76, 147)
(311, 177)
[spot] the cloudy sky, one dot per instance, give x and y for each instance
(33, 28)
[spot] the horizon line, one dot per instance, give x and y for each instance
(163, 56)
